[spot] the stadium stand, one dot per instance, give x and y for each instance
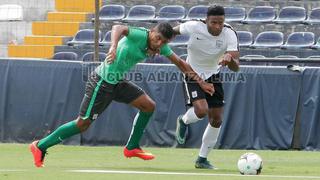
(183, 56)
(11, 12)
(268, 39)
(180, 40)
(235, 14)
(197, 12)
(299, 40)
(291, 14)
(317, 45)
(62, 24)
(245, 38)
(313, 57)
(65, 56)
(287, 56)
(84, 37)
(314, 17)
(260, 14)
(158, 60)
(112, 12)
(171, 13)
(141, 13)
(253, 57)
(71, 16)
(88, 57)
(107, 39)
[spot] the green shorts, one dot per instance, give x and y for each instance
(99, 94)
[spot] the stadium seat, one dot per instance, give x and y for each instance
(268, 39)
(317, 45)
(84, 37)
(291, 14)
(251, 56)
(158, 59)
(197, 12)
(141, 13)
(180, 40)
(171, 13)
(112, 12)
(88, 57)
(314, 17)
(234, 14)
(107, 39)
(287, 56)
(313, 57)
(245, 38)
(183, 56)
(65, 56)
(299, 40)
(11, 12)
(260, 14)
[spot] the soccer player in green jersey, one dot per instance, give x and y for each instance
(107, 83)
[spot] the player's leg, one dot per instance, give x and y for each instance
(94, 102)
(209, 137)
(197, 98)
(129, 93)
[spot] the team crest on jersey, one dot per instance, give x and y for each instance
(194, 94)
(219, 43)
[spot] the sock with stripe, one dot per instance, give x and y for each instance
(139, 124)
(63, 132)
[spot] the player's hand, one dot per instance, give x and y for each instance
(207, 87)
(111, 56)
(225, 60)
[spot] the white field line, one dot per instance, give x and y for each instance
(189, 174)
(12, 170)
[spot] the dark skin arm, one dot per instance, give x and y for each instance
(116, 33)
(231, 59)
(188, 71)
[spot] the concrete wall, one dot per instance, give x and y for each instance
(33, 10)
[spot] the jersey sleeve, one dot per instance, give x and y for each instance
(136, 34)
(166, 50)
(188, 27)
(232, 41)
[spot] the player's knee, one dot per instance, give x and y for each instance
(201, 112)
(82, 124)
(149, 106)
(216, 121)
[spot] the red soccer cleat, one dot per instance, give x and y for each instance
(38, 155)
(137, 152)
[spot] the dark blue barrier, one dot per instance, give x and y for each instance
(310, 109)
(260, 113)
(261, 104)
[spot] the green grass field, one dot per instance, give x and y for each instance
(170, 163)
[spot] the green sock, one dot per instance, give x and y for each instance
(65, 131)
(139, 124)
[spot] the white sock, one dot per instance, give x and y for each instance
(209, 139)
(190, 116)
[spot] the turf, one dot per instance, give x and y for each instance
(16, 163)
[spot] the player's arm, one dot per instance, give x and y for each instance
(116, 33)
(231, 59)
(189, 72)
(176, 30)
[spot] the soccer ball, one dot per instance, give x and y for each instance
(250, 164)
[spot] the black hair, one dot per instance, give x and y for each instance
(165, 29)
(215, 11)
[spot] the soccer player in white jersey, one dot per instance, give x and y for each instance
(212, 44)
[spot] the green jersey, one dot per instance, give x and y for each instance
(131, 50)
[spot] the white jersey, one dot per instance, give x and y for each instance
(204, 49)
